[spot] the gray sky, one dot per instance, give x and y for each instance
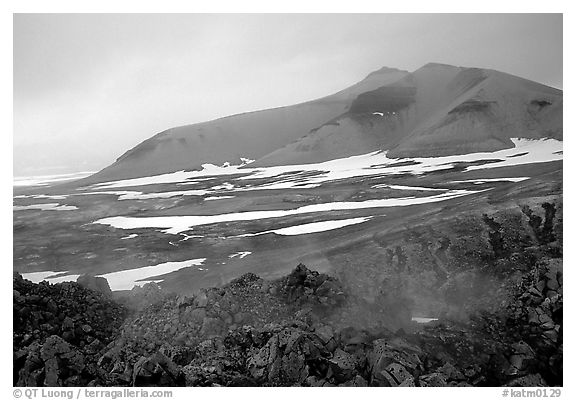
(87, 87)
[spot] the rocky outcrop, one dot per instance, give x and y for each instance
(61, 361)
(287, 332)
(58, 331)
(96, 283)
(305, 287)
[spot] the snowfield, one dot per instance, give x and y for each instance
(177, 224)
(313, 227)
(526, 151)
(120, 280)
(235, 181)
(45, 207)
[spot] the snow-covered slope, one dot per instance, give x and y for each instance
(438, 110)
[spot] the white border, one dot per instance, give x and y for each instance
(251, 6)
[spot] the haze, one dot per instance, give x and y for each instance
(87, 87)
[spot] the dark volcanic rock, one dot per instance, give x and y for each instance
(305, 287)
(60, 361)
(96, 283)
(58, 329)
(286, 332)
(157, 370)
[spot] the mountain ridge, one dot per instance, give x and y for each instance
(438, 109)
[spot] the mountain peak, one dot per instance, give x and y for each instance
(384, 70)
(438, 65)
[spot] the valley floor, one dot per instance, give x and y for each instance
(474, 245)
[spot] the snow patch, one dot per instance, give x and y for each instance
(177, 224)
(240, 254)
(44, 180)
(401, 187)
(186, 237)
(375, 163)
(120, 280)
(41, 196)
(423, 320)
(480, 181)
(36, 277)
(134, 195)
(218, 197)
(46, 207)
(246, 161)
(313, 227)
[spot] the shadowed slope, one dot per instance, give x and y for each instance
(438, 110)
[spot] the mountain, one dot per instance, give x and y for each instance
(434, 111)
(249, 135)
(437, 110)
(444, 268)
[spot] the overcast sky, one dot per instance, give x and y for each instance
(87, 87)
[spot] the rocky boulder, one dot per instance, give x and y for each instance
(96, 283)
(157, 370)
(394, 362)
(306, 287)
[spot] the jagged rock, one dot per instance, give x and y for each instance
(201, 300)
(96, 283)
(408, 382)
(157, 370)
(386, 351)
(329, 293)
(552, 334)
(533, 316)
(393, 361)
(211, 326)
(303, 286)
(393, 375)
(553, 296)
(94, 347)
(184, 301)
(536, 291)
(523, 355)
(68, 324)
(451, 372)
(552, 284)
(144, 296)
(60, 360)
(435, 379)
(313, 381)
(195, 315)
(293, 368)
(241, 335)
(326, 335)
(532, 380)
(342, 365)
(286, 357)
(32, 372)
(359, 381)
